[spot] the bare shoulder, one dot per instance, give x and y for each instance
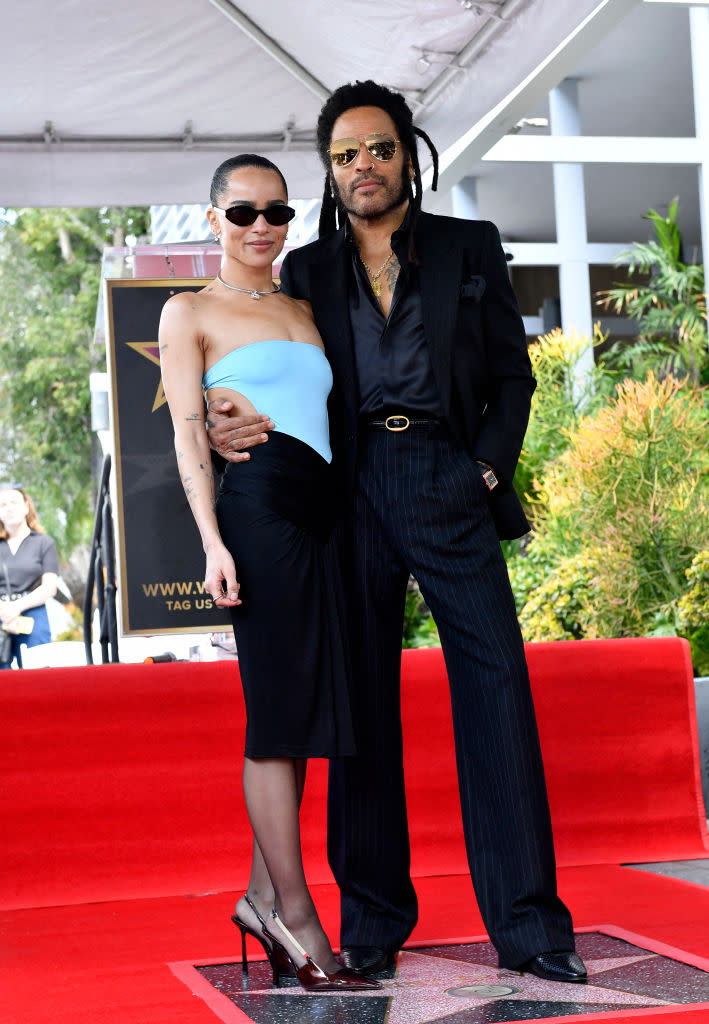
(181, 322)
(189, 302)
(186, 310)
(304, 306)
(179, 307)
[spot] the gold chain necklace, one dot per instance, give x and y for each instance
(374, 278)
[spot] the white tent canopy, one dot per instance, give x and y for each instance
(135, 103)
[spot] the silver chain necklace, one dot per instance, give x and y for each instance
(253, 292)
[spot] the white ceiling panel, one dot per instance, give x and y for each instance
(120, 83)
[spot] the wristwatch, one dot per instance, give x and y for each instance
(489, 476)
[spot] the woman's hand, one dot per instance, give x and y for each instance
(8, 613)
(220, 577)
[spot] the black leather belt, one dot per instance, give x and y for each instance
(396, 422)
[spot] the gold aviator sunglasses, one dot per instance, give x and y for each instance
(381, 146)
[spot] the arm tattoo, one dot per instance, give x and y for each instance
(187, 485)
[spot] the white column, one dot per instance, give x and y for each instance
(464, 197)
(699, 34)
(570, 209)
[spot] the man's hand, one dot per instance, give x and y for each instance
(230, 435)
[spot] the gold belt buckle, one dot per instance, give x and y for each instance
(398, 423)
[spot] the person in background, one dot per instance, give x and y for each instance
(28, 573)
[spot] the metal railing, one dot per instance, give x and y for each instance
(101, 581)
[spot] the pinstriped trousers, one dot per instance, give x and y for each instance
(421, 506)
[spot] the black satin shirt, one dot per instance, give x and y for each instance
(391, 354)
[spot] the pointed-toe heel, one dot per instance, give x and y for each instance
(311, 975)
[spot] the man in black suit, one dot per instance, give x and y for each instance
(431, 401)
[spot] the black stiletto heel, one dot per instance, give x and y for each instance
(278, 959)
(246, 930)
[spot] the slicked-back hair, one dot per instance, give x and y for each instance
(220, 180)
(371, 94)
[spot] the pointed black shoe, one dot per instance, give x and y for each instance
(366, 959)
(311, 975)
(557, 966)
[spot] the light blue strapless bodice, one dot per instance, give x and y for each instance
(287, 380)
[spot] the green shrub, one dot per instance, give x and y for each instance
(528, 569)
(586, 596)
(693, 612)
(569, 386)
(625, 507)
(671, 309)
(419, 628)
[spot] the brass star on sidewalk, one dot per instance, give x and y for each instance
(426, 989)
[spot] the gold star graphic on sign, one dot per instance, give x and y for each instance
(151, 351)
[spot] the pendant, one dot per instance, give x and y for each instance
(255, 295)
(376, 288)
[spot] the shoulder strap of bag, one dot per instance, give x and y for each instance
(7, 579)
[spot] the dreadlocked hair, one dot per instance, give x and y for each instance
(370, 94)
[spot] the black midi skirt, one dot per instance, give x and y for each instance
(276, 516)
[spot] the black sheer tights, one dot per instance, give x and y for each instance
(273, 788)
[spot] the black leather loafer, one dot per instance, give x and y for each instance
(557, 966)
(366, 959)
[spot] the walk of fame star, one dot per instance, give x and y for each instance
(440, 984)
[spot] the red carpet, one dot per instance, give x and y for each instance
(99, 963)
(618, 728)
(121, 795)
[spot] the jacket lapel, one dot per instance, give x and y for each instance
(328, 297)
(439, 275)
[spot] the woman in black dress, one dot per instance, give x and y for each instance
(268, 542)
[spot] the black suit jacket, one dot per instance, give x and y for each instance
(475, 334)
